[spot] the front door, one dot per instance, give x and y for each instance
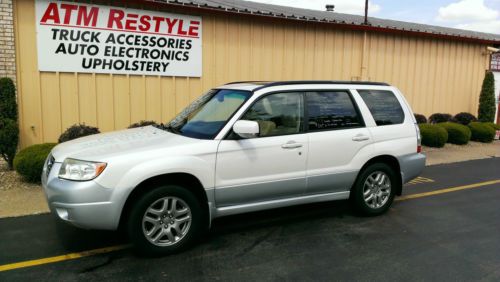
(271, 166)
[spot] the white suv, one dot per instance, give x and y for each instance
(241, 147)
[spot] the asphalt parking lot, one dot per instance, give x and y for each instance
(445, 227)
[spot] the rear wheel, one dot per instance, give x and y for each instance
(374, 190)
(165, 220)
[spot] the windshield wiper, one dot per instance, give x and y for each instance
(168, 127)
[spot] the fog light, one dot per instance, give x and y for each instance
(62, 213)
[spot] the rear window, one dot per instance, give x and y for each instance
(331, 110)
(384, 106)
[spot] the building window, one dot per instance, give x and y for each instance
(495, 62)
(384, 106)
(331, 110)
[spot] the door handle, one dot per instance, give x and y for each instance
(291, 145)
(360, 137)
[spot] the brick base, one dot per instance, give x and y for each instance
(7, 47)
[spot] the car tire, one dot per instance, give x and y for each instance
(374, 189)
(165, 220)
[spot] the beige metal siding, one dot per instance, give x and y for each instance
(436, 75)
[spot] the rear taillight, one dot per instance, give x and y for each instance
(419, 139)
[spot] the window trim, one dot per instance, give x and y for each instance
(370, 111)
(303, 128)
(355, 105)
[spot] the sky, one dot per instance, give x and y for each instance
(477, 15)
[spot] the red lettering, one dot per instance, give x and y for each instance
(87, 17)
(131, 24)
(179, 28)
(52, 13)
(115, 17)
(69, 8)
(145, 24)
(193, 28)
(158, 21)
(170, 24)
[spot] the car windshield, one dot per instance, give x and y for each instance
(206, 116)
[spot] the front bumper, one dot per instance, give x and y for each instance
(85, 204)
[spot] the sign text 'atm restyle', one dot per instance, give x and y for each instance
(76, 37)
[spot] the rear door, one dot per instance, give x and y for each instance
(337, 133)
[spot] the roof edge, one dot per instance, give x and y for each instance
(360, 27)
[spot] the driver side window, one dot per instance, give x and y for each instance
(278, 114)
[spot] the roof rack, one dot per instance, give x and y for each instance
(248, 81)
(293, 82)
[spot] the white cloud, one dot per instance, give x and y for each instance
(341, 6)
(467, 10)
(471, 15)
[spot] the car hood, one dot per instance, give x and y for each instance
(100, 147)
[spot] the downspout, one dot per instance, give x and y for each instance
(364, 58)
(364, 67)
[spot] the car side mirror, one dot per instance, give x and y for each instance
(246, 128)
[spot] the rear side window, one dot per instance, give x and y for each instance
(384, 106)
(331, 110)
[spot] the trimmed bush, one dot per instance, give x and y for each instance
(439, 117)
(9, 130)
(29, 161)
(486, 110)
(420, 118)
(493, 125)
(9, 137)
(457, 133)
(142, 123)
(433, 135)
(8, 106)
(464, 118)
(481, 132)
(77, 131)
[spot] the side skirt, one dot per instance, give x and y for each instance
(272, 204)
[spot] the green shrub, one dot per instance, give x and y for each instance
(486, 110)
(29, 161)
(9, 131)
(9, 137)
(464, 118)
(77, 131)
(481, 132)
(457, 133)
(8, 106)
(433, 135)
(142, 123)
(493, 125)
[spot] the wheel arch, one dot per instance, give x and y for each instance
(186, 180)
(391, 161)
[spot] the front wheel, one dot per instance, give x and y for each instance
(165, 220)
(374, 190)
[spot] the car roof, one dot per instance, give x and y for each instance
(256, 85)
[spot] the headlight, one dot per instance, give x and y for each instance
(80, 170)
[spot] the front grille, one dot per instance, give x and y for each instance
(50, 163)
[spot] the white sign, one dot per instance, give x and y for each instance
(79, 37)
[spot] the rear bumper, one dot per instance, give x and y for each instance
(411, 166)
(84, 204)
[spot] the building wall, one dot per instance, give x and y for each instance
(436, 75)
(7, 48)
